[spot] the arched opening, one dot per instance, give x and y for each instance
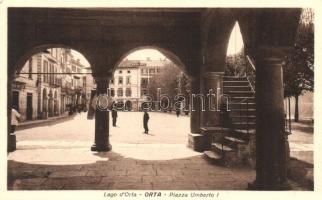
(237, 104)
(146, 79)
(235, 59)
(298, 79)
(55, 81)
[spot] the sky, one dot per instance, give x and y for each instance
(144, 53)
(235, 44)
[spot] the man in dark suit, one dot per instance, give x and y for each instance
(145, 122)
(114, 116)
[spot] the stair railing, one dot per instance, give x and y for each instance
(250, 72)
(251, 77)
(287, 116)
(247, 125)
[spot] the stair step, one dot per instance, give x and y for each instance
(243, 116)
(235, 83)
(244, 125)
(239, 94)
(245, 119)
(243, 92)
(241, 131)
(235, 140)
(242, 134)
(242, 99)
(218, 147)
(213, 156)
(234, 78)
(236, 88)
(245, 99)
(235, 112)
(242, 105)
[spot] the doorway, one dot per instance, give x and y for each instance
(15, 99)
(29, 106)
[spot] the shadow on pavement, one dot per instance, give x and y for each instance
(302, 173)
(122, 173)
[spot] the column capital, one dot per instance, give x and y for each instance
(102, 83)
(271, 54)
(102, 78)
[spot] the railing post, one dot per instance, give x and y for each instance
(247, 119)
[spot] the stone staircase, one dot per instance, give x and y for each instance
(234, 144)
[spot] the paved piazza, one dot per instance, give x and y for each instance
(59, 157)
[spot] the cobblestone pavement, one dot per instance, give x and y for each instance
(59, 157)
(78, 168)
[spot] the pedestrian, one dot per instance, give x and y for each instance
(15, 116)
(114, 116)
(178, 112)
(145, 122)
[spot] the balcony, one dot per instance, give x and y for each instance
(55, 82)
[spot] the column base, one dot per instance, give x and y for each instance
(269, 187)
(11, 142)
(108, 147)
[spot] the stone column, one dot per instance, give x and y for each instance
(11, 141)
(102, 142)
(195, 106)
(271, 155)
(211, 81)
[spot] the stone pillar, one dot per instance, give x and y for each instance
(11, 140)
(271, 155)
(211, 81)
(102, 142)
(195, 106)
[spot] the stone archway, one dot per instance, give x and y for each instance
(198, 37)
(179, 62)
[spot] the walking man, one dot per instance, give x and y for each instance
(145, 122)
(114, 116)
(14, 119)
(178, 112)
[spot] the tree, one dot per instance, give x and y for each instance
(170, 80)
(236, 64)
(299, 64)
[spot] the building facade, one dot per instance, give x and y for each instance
(131, 79)
(49, 84)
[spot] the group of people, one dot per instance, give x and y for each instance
(15, 118)
(146, 118)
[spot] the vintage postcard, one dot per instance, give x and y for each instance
(173, 99)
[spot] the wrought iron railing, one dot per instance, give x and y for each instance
(287, 116)
(250, 72)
